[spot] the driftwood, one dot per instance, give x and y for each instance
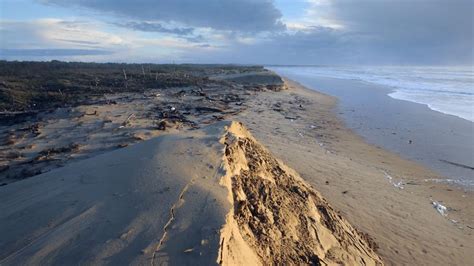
(208, 109)
(125, 123)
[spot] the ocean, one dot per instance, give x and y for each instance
(449, 90)
(424, 114)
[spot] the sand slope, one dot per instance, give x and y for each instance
(207, 196)
(115, 208)
(279, 216)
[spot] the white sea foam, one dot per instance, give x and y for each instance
(449, 90)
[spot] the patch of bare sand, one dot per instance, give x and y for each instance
(299, 126)
(162, 202)
(155, 202)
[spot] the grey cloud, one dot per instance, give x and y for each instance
(26, 40)
(5, 53)
(319, 46)
(197, 38)
(427, 32)
(203, 45)
(86, 43)
(155, 27)
(243, 15)
(374, 32)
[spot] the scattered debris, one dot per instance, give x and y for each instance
(74, 108)
(440, 208)
(162, 125)
(457, 164)
(189, 250)
(125, 123)
(203, 109)
(400, 184)
(49, 153)
(94, 113)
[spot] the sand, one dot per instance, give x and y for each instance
(135, 205)
(198, 198)
(291, 184)
(281, 218)
(377, 191)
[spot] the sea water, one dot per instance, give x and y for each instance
(449, 90)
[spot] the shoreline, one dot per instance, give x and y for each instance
(438, 141)
(378, 191)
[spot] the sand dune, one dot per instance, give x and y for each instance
(281, 218)
(207, 196)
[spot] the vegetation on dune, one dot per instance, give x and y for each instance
(30, 86)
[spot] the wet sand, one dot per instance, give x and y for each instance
(439, 141)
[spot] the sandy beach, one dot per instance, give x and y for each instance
(439, 141)
(364, 181)
(236, 132)
(241, 169)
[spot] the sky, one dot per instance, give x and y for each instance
(289, 32)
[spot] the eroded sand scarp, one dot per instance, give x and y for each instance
(280, 219)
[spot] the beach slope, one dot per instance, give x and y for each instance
(208, 196)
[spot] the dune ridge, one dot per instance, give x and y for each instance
(278, 216)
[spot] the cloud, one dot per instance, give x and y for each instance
(242, 15)
(250, 31)
(79, 40)
(57, 34)
(86, 43)
(369, 32)
(155, 27)
(417, 31)
(7, 53)
(45, 39)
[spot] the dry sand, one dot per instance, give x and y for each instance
(154, 202)
(203, 197)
